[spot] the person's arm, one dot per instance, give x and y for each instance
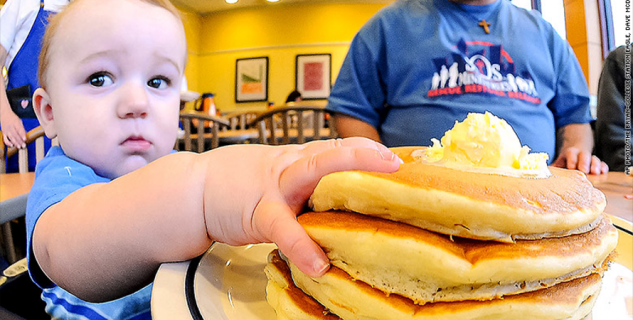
(12, 126)
(347, 127)
(358, 96)
(575, 151)
(107, 240)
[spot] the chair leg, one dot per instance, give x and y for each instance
(7, 236)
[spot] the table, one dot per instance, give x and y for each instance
(227, 137)
(618, 188)
(14, 189)
(15, 184)
(236, 136)
(172, 303)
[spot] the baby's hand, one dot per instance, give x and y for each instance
(253, 193)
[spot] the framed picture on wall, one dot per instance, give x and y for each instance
(251, 79)
(314, 75)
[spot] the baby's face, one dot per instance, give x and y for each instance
(114, 83)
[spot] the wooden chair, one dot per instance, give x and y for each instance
(241, 120)
(294, 124)
(36, 135)
(202, 122)
(17, 208)
(19, 296)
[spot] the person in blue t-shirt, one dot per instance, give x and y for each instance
(112, 201)
(418, 66)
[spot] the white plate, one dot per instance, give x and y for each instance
(229, 284)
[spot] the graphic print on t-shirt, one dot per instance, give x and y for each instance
(481, 67)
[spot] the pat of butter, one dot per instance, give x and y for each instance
(485, 143)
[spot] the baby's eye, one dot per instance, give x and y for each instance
(100, 79)
(158, 82)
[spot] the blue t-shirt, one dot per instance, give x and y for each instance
(418, 66)
(56, 177)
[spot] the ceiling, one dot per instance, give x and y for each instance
(210, 6)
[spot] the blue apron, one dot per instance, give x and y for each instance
(23, 71)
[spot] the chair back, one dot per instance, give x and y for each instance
(201, 122)
(15, 208)
(241, 119)
(294, 124)
(36, 136)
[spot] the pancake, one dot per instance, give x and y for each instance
(467, 204)
(289, 301)
(429, 267)
(350, 299)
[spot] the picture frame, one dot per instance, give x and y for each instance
(313, 75)
(251, 79)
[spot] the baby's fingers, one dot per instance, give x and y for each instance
(355, 142)
(278, 224)
(299, 180)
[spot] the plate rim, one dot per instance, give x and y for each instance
(190, 278)
(187, 271)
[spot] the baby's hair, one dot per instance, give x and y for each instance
(53, 25)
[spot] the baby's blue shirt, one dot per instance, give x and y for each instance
(57, 176)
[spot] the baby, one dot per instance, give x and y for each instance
(113, 202)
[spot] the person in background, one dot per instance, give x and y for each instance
(186, 95)
(22, 24)
(294, 96)
(611, 131)
(418, 66)
(112, 201)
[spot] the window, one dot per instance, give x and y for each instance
(615, 16)
(553, 11)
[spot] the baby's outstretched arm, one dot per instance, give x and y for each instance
(107, 240)
(269, 192)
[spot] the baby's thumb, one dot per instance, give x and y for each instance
(279, 225)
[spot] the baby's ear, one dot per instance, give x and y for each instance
(44, 111)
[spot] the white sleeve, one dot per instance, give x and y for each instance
(16, 19)
(55, 5)
(8, 21)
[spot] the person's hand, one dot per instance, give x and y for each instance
(254, 193)
(13, 131)
(573, 158)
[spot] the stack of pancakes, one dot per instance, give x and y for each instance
(428, 242)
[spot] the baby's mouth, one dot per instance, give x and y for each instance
(136, 144)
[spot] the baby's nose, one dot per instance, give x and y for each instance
(134, 102)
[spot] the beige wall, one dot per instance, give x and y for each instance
(278, 32)
(193, 26)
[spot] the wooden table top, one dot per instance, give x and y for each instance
(240, 135)
(15, 184)
(235, 136)
(618, 188)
